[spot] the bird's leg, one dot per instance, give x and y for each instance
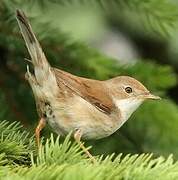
(77, 137)
(38, 129)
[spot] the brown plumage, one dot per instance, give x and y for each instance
(87, 89)
(92, 109)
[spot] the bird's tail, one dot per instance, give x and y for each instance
(39, 61)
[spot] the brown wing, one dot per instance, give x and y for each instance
(90, 90)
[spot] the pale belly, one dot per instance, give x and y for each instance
(89, 131)
(79, 114)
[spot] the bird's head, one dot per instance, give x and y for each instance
(128, 94)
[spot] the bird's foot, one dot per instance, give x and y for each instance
(77, 137)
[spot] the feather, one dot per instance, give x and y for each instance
(88, 89)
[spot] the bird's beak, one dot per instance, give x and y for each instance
(151, 96)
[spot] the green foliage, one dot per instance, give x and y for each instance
(66, 161)
(158, 15)
(5, 110)
(159, 135)
(130, 167)
(15, 145)
(152, 129)
(55, 153)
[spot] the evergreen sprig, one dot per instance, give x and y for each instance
(15, 144)
(73, 165)
(159, 15)
(55, 152)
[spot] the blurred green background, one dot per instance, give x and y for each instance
(99, 39)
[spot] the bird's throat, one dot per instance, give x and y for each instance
(127, 107)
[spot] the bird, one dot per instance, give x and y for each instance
(89, 108)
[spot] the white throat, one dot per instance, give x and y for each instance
(127, 107)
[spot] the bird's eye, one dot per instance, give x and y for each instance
(128, 90)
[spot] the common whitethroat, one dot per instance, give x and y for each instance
(91, 109)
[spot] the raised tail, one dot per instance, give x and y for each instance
(39, 61)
